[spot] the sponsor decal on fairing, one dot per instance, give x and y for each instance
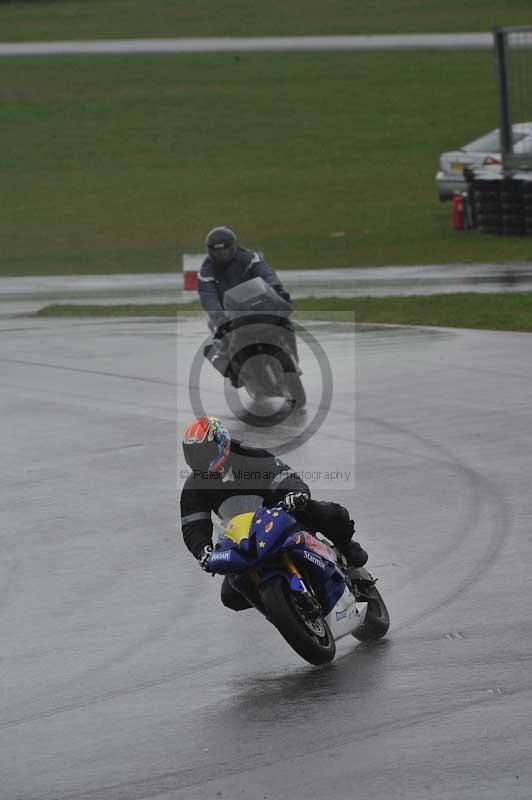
(225, 556)
(316, 560)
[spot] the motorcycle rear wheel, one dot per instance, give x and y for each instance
(376, 619)
(311, 639)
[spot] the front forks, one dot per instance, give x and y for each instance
(307, 602)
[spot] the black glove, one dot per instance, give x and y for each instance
(281, 291)
(295, 501)
(205, 557)
(222, 329)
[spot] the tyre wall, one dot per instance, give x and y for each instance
(500, 204)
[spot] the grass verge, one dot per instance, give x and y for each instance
(503, 311)
(121, 19)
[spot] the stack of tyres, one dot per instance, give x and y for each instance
(501, 203)
(527, 205)
(513, 216)
(486, 200)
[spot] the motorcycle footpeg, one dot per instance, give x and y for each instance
(363, 589)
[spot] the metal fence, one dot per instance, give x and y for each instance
(513, 49)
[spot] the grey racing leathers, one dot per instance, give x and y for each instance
(214, 280)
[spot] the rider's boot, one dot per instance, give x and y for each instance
(233, 376)
(360, 585)
(355, 554)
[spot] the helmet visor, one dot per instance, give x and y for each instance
(222, 255)
(200, 456)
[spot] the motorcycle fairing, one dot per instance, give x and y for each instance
(318, 545)
(343, 617)
(259, 531)
(321, 562)
(250, 538)
(226, 560)
(241, 582)
(270, 527)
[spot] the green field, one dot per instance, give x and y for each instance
(121, 163)
(83, 19)
(503, 311)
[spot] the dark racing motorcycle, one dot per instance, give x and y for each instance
(299, 582)
(259, 344)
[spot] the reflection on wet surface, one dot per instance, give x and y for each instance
(400, 335)
(353, 672)
(27, 294)
(417, 280)
(368, 334)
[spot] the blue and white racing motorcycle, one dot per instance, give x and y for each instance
(299, 582)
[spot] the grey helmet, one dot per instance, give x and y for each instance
(221, 245)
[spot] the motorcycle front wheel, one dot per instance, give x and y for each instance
(310, 638)
(296, 392)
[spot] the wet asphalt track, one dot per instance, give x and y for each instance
(122, 676)
(27, 294)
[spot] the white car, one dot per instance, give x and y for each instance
(484, 152)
